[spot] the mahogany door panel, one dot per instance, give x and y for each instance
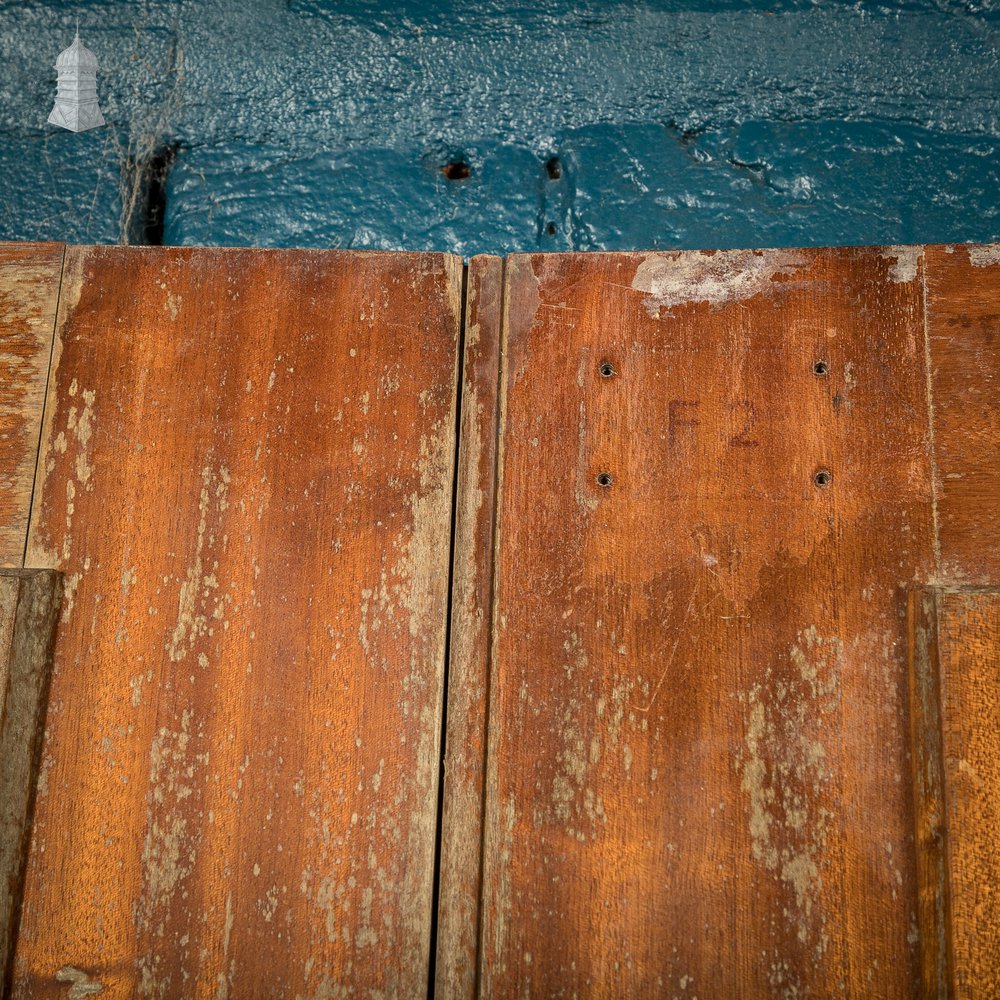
(246, 478)
(714, 492)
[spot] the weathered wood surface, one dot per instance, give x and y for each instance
(29, 290)
(698, 780)
(928, 792)
(963, 326)
(29, 606)
(247, 479)
(472, 579)
(955, 647)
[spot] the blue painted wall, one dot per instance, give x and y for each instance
(675, 124)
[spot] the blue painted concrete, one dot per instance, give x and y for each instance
(676, 124)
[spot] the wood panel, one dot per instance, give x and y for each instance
(963, 325)
(247, 479)
(29, 290)
(472, 579)
(955, 647)
(698, 780)
(29, 606)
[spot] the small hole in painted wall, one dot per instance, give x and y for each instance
(456, 170)
(553, 167)
(551, 229)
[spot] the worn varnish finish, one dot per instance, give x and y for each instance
(963, 326)
(465, 750)
(246, 477)
(955, 647)
(29, 606)
(29, 290)
(698, 779)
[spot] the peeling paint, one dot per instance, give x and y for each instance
(903, 262)
(81, 984)
(984, 256)
(785, 768)
(716, 277)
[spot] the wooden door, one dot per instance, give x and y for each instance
(693, 559)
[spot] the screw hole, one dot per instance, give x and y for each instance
(551, 229)
(456, 170)
(607, 369)
(553, 167)
(821, 368)
(823, 478)
(604, 479)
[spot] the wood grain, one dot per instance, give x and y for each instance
(29, 290)
(29, 606)
(963, 327)
(472, 579)
(958, 638)
(247, 473)
(928, 793)
(698, 780)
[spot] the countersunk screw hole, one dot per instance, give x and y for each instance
(821, 368)
(604, 479)
(823, 478)
(607, 369)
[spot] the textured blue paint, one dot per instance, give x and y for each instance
(307, 123)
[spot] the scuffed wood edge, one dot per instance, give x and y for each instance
(472, 582)
(29, 608)
(928, 791)
(28, 466)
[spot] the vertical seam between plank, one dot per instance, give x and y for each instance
(448, 634)
(45, 404)
(932, 448)
(499, 422)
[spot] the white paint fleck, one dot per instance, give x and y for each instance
(984, 256)
(904, 262)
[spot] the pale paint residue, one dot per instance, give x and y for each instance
(81, 985)
(984, 256)
(717, 277)
(170, 847)
(903, 262)
(172, 304)
(574, 801)
(200, 601)
(80, 423)
(785, 768)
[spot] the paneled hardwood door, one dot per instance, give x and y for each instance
(692, 558)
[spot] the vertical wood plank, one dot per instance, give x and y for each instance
(963, 328)
(928, 793)
(29, 606)
(698, 778)
(247, 473)
(29, 291)
(465, 739)
(959, 641)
